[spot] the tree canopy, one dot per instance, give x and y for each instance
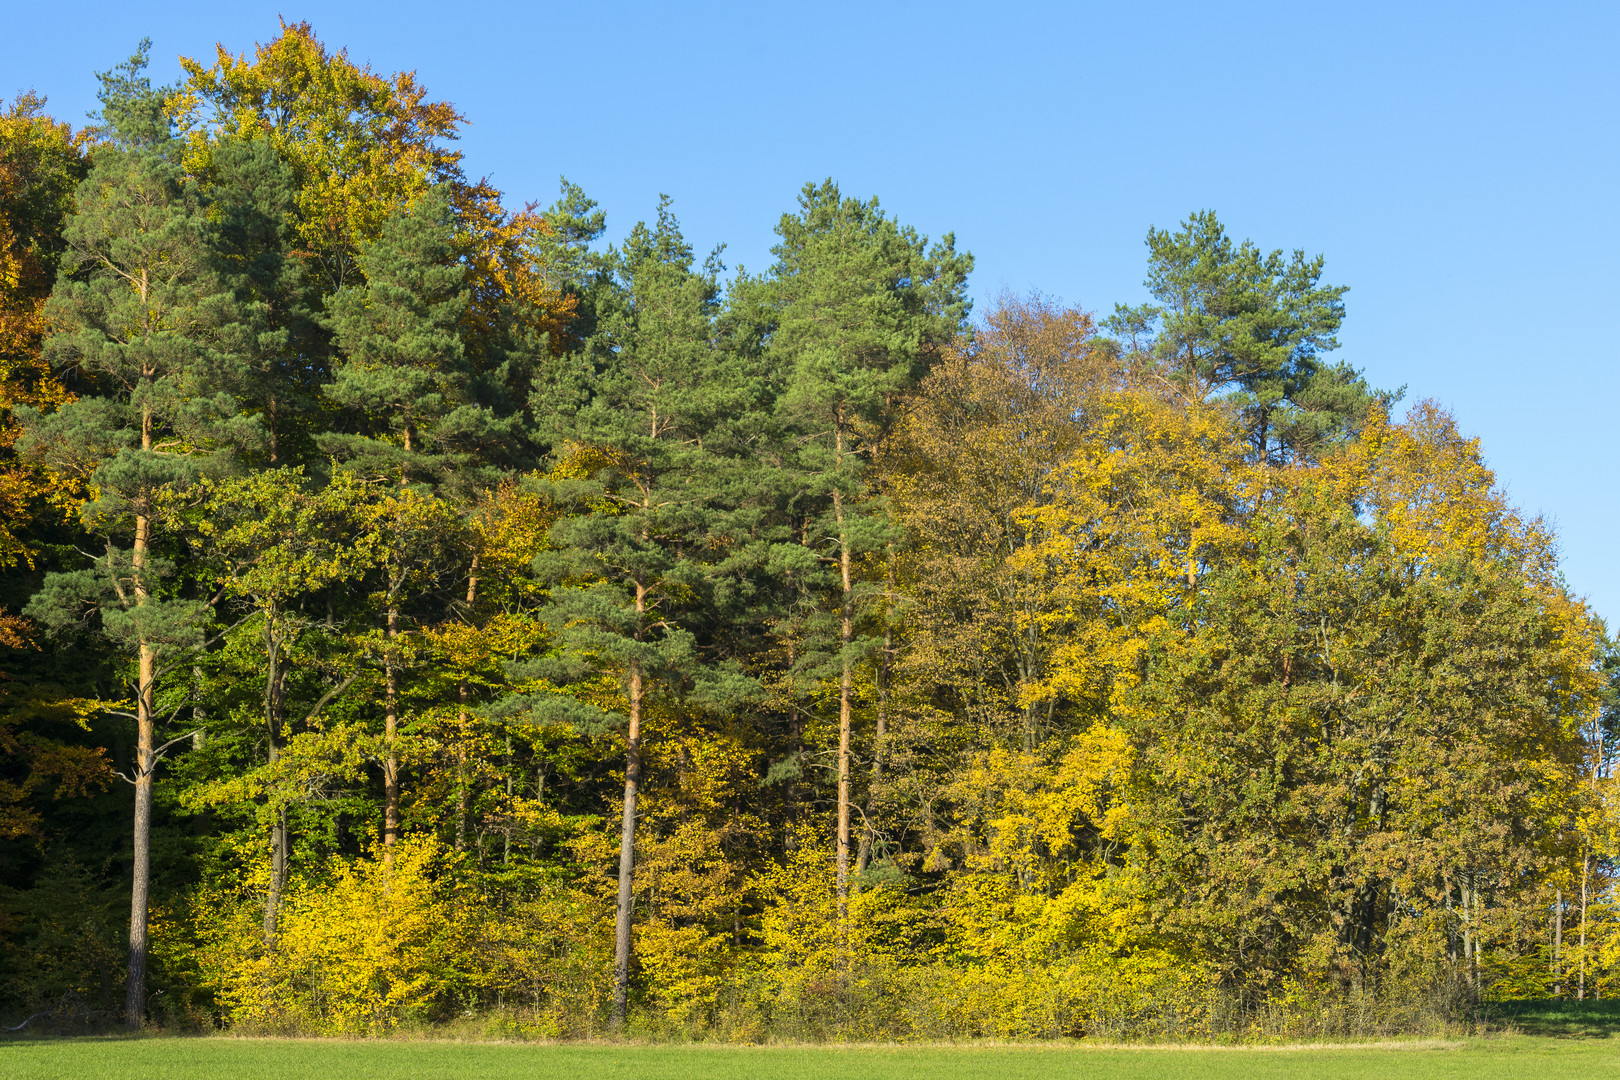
(414, 607)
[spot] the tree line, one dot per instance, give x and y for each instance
(417, 609)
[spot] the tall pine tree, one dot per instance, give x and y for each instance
(275, 327)
(862, 306)
(1254, 326)
(140, 312)
(633, 562)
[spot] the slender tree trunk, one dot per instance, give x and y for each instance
(540, 800)
(1451, 925)
(1580, 986)
(278, 877)
(506, 828)
(627, 831)
(868, 837)
(272, 896)
(1474, 913)
(273, 696)
(1468, 927)
(846, 691)
(463, 695)
(1586, 879)
(141, 885)
(390, 733)
(272, 427)
(199, 737)
(461, 769)
(145, 767)
(391, 821)
(145, 759)
(1558, 943)
(795, 792)
(627, 851)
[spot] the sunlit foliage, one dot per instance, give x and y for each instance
(508, 631)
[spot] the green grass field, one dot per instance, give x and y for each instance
(1561, 1019)
(1518, 1057)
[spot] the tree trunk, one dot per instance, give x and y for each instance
(627, 831)
(1467, 927)
(199, 737)
(390, 732)
(461, 769)
(145, 766)
(846, 691)
(463, 695)
(145, 759)
(506, 828)
(274, 693)
(1474, 912)
(1558, 943)
(141, 885)
(1580, 986)
(1451, 924)
(880, 736)
(278, 877)
(627, 852)
(271, 428)
(795, 792)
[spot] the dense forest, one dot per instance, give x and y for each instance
(420, 611)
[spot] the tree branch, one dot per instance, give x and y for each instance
(327, 697)
(157, 755)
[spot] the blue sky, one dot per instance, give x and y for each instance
(1456, 163)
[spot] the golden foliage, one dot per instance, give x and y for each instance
(506, 270)
(1059, 512)
(40, 162)
(359, 952)
(33, 722)
(361, 144)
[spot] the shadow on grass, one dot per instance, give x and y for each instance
(1560, 1018)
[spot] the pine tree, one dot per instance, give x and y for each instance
(862, 306)
(1230, 319)
(403, 377)
(402, 367)
(139, 309)
(274, 329)
(632, 561)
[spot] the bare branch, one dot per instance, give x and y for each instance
(200, 646)
(157, 755)
(327, 697)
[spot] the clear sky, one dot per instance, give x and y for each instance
(1456, 163)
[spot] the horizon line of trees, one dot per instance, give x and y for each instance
(413, 606)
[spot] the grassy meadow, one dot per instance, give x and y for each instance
(219, 1058)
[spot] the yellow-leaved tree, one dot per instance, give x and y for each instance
(363, 947)
(41, 162)
(361, 144)
(1060, 513)
(1337, 734)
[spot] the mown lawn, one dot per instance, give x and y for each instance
(267, 1059)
